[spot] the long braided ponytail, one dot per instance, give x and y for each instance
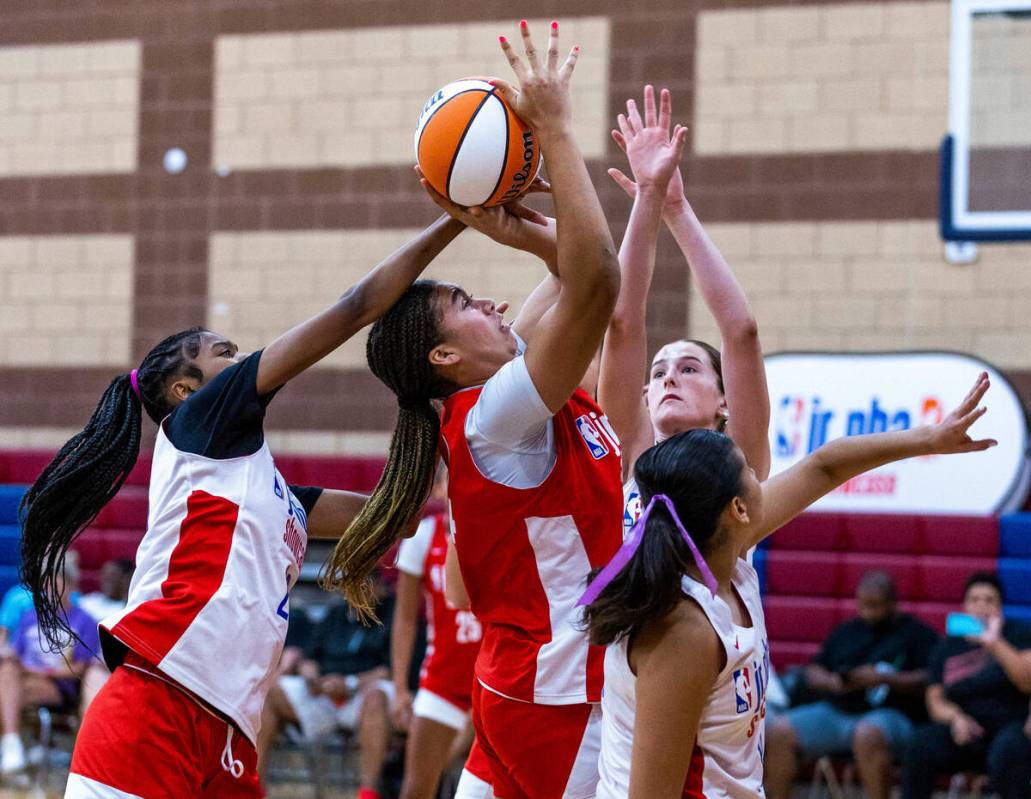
(397, 352)
(89, 470)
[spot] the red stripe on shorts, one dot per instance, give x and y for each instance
(195, 572)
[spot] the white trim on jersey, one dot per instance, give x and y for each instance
(561, 558)
(411, 555)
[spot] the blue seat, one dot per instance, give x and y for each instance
(10, 498)
(1020, 613)
(1015, 574)
(10, 543)
(1015, 535)
(8, 577)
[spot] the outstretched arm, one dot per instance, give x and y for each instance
(792, 491)
(653, 156)
(363, 303)
(744, 373)
(570, 332)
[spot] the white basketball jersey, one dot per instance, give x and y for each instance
(209, 602)
(727, 757)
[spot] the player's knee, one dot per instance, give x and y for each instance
(868, 740)
(781, 736)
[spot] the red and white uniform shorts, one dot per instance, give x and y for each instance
(444, 708)
(143, 737)
(538, 751)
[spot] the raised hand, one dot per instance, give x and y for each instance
(654, 153)
(542, 100)
(512, 224)
(951, 435)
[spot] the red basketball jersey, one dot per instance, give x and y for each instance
(453, 636)
(525, 553)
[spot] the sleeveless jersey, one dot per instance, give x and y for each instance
(452, 636)
(209, 602)
(727, 756)
(525, 553)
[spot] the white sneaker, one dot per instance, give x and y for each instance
(12, 754)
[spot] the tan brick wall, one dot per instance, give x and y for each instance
(1000, 87)
(69, 109)
(263, 283)
(65, 300)
(876, 285)
(352, 97)
(862, 76)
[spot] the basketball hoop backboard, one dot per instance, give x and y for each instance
(986, 155)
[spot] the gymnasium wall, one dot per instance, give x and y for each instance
(813, 160)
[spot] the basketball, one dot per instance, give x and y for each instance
(471, 146)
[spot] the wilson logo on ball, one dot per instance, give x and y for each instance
(471, 146)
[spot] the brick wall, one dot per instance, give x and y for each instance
(813, 158)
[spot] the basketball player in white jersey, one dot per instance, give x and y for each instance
(196, 649)
(689, 383)
(677, 726)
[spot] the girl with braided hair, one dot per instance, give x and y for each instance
(195, 650)
(534, 470)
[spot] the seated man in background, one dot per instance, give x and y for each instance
(31, 675)
(343, 682)
(978, 702)
(873, 672)
(115, 576)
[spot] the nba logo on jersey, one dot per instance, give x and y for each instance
(631, 512)
(743, 689)
(592, 437)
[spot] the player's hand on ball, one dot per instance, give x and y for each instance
(952, 434)
(542, 99)
(512, 224)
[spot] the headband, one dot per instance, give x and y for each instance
(633, 543)
(135, 383)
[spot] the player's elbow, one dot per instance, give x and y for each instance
(742, 330)
(604, 282)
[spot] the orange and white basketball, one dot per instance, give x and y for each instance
(471, 146)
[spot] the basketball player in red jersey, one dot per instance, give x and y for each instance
(533, 465)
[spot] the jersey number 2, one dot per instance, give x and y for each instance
(281, 610)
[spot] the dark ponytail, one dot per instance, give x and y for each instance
(89, 470)
(397, 351)
(700, 471)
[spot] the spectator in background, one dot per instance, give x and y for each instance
(343, 682)
(300, 632)
(978, 702)
(873, 672)
(115, 576)
(17, 603)
(31, 675)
